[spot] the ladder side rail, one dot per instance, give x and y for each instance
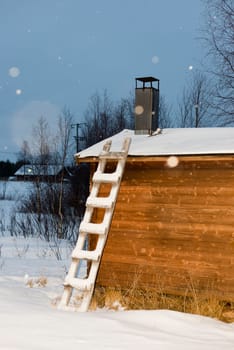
(82, 238)
(96, 254)
(107, 220)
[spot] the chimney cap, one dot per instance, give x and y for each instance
(147, 79)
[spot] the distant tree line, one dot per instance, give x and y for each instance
(8, 168)
(104, 118)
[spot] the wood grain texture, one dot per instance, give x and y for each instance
(173, 226)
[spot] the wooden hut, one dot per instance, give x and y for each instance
(173, 226)
(42, 173)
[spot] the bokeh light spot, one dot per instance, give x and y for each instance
(172, 162)
(139, 110)
(14, 72)
(155, 59)
(18, 91)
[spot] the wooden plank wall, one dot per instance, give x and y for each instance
(173, 228)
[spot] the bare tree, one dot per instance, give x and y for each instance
(123, 114)
(50, 198)
(164, 114)
(40, 150)
(97, 119)
(63, 144)
(64, 137)
(119, 116)
(25, 155)
(219, 39)
(195, 103)
(41, 142)
(130, 110)
(103, 118)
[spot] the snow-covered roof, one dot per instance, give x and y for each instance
(34, 169)
(186, 141)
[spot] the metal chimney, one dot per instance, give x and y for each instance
(146, 105)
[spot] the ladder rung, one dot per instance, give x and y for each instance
(86, 254)
(106, 177)
(98, 229)
(100, 202)
(78, 283)
(86, 285)
(112, 155)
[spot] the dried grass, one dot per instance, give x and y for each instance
(203, 303)
(36, 282)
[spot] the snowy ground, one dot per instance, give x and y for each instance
(31, 282)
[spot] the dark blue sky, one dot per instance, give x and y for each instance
(59, 52)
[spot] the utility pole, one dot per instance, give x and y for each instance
(77, 138)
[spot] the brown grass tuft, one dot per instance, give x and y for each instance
(203, 303)
(36, 282)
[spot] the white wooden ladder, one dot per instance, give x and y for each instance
(86, 285)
